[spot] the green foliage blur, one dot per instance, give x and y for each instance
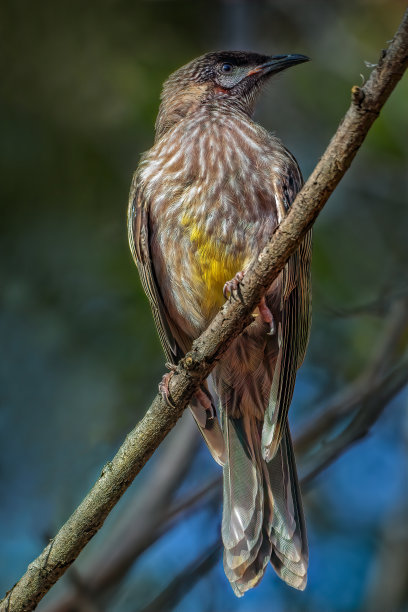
(80, 86)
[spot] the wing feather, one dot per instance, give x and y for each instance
(138, 234)
(293, 333)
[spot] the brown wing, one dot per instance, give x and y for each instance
(293, 332)
(138, 234)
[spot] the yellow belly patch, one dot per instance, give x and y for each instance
(212, 265)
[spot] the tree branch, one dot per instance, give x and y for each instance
(182, 583)
(347, 401)
(140, 444)
(131, 536)
(367, 413)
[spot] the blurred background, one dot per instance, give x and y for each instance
(80, 359)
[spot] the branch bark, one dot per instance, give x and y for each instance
(234, 316)
(131, 536)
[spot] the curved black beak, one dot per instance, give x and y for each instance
(276, 63)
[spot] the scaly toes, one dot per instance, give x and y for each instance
(164, 387)
(232, 285)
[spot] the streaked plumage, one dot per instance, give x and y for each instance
(204, 201)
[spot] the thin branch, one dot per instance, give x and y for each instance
(140, 444)
(186, 580)
(133, 535)
(367, 414)
(388, 578)
(348, 400)
(387, 587)
(209, 489)
(138, 527)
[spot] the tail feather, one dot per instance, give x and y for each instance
(210, 430)
(243, 497)
(262, 515)
(254, 573)
(249, 573)
(284, 535)
(290, 559)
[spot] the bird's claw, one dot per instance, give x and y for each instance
(170, 366)
(200, 395)
(164, 385)
(232, 285)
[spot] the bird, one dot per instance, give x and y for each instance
(204, 201)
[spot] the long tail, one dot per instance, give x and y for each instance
(262, 514)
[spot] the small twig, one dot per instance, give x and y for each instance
(367, 414)
(186, 580)
(387, 586)
(84, 597)
(184, 505)
(346, 402)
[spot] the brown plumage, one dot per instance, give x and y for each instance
(204, 201)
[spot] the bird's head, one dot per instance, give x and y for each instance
(233, 77)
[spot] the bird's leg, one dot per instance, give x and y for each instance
(267, 316)
(232, 285)
(205, 400)
(164, 384)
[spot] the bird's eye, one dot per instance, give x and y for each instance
(226, 67)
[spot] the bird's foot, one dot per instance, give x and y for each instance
(164, 385)
(267, 316)
(205, 400)
(232, 285)
(201, 395)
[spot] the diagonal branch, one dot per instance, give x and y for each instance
(368, 410)
(140, 444)
(365, 386)
(182, 583)
(144, 521)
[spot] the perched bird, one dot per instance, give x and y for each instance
(204, 201)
